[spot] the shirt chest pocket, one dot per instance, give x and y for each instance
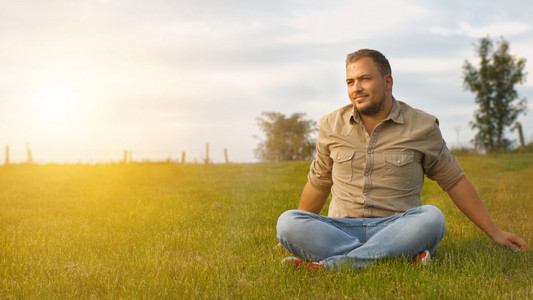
(400, 171)
(399, 159)
(342, 165)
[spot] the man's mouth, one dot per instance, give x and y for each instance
(360, 97)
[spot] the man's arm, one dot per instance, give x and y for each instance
(312, 199)
(466, 198)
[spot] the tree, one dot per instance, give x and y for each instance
(286, 138)
(493, 83)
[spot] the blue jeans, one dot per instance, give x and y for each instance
(358, 242)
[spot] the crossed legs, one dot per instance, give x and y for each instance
(358, 242)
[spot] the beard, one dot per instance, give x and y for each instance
(373, 107)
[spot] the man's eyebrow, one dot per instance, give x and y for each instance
(358, 77)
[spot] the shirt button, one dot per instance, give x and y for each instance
(365, 193)
(368, 151)
(398, 161)
(366, 174)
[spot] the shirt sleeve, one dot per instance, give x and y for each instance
(439, 164)
(319, 174)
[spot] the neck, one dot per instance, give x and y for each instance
(372, 121)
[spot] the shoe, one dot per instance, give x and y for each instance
(423, 258)
(298, 263)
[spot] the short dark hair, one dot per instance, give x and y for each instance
(379, 59)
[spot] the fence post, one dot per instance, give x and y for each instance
(207, 153)
(183, 157)
(30, 155)
(7, 155)
(125, 156)
(226, 155)
(520, 134)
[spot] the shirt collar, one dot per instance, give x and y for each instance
(395, 114)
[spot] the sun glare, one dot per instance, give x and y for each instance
(55, 105)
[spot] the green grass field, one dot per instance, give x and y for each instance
(196, 231)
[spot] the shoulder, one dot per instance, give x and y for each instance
(417, 123)
(419, 116)
(337, 119)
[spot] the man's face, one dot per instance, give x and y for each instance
(367, 88)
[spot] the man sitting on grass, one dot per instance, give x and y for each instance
(372, 156)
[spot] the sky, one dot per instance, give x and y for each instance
(83, 81)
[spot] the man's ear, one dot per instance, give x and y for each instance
(388, 82)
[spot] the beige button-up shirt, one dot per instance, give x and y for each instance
(381, 174)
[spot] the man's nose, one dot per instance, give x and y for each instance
(355, 89)
(358, 86)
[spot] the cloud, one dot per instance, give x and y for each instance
(350, 21)
(432, 65)
(502, 28)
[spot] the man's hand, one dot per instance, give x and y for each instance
(278, 246)
(511, 240)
